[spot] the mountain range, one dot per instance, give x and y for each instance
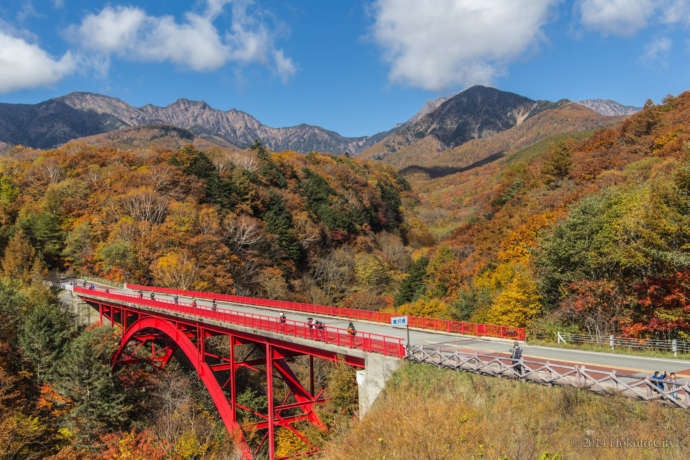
(449, 122)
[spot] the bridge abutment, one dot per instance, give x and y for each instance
(372, 379)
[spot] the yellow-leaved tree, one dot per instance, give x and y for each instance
(19, 257)
(517, 303)
(430, 308)
(175, 270)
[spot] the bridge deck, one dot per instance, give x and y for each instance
(623, 364)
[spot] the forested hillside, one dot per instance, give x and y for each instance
(250, 222)
(319, 228)
(591, 235)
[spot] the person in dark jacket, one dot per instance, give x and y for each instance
(516, 357)
(320, 328)
(351, 329)
(658, 380)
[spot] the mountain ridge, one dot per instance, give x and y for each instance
(51, 123)
(609, 107)
(448, 122)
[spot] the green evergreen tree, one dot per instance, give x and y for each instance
(43, 338)
(279, 222)
(11, 311)
(87, 379)
(46, 235)
(320, 199)
(414, 284)
(268, 169)
(78, 243)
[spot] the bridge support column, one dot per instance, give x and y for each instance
(372, 379)
(269, 385)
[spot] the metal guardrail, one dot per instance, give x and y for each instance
(676, 394)
(461, 327)
(612, 342)
(365, 341)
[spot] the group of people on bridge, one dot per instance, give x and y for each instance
(317, 328)
(666, 381)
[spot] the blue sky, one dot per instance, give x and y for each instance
(356, 67)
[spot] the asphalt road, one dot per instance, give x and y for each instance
(631, 365)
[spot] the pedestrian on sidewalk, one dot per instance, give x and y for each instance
(516, 357)
(673, 385)
(658, 380)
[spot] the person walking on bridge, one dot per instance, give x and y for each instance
(673, 385)
(516, 357)
(658, 380)
(351, 329)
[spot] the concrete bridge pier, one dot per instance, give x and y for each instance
(372, 379)
(84, 314)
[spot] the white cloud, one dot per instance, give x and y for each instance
(110, 30)
(626, 17)
(58, 3)
(26, 65)
(657, 50)
(285, 67)
(676, 11)
(195, 42)
(436, 45)
(618, 17)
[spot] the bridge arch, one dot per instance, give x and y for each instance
(202, 368)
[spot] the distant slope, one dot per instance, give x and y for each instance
(51, 123)
(428, 151)
(145, 137)
(56, 121)
(609, 108)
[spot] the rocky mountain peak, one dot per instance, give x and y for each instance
(609, 107)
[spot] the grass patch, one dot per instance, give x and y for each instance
(432, 413)
(540, 148)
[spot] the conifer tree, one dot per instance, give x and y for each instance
(413, 285)
(87, 379)
(43, 338)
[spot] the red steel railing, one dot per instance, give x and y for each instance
(365, 341)
(461, 327)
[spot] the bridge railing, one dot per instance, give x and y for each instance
(603, 381)
(365, 341)
(461, 327)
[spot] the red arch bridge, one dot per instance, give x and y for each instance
(157, 323)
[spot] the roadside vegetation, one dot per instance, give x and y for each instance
(426, 412)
